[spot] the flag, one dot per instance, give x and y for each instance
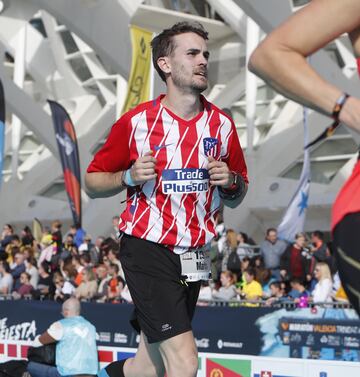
(37, 230)
(139, 81)
(227, 368)
(2, 129)
(294, 217)
(69, 154)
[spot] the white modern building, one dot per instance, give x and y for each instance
(78, 53)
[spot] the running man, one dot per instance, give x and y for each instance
(280, 60)
(178, 156)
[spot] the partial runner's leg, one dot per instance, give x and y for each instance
(146, 363)
(180, 355)
(347, 242)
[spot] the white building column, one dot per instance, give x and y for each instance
(252, 40)
(19, 77)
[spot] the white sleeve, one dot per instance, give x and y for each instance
(322, 291)
(68, 288)
(56, 330)
(125, 294)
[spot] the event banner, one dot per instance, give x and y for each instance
(69, 154)
(327, 334)
(139, 80)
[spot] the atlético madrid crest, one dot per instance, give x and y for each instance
(211, 146)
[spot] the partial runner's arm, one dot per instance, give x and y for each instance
(280, 59)
(105, 184)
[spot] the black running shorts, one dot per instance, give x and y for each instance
(347, 241)
(164, 302)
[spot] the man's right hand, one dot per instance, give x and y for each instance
(105, 184)
(143, 169)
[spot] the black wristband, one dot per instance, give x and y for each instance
(226, 194)
(235, 184)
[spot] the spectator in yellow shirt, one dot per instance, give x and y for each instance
(252, 289)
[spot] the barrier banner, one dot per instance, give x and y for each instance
(319, 334)
(69, 154)
(328, 334)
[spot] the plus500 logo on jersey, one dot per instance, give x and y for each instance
(184, 181)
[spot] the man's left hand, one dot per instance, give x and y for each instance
(219, 172)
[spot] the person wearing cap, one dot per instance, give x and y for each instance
(88, 247)
(85, 244)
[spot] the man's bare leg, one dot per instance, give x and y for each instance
(147, 362)
(180, 355)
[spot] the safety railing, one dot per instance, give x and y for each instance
(287, 304)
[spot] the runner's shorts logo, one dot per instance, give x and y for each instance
(211, 146)
(185, 181)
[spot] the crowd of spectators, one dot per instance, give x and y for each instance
(273, 272)
(60, 265)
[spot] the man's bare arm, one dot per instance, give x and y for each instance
(281, 58)
(103, 185)
(46, 338)
(355, 41)
(43, 339)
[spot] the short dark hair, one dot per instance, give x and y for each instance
(163, 45)
(28, 276)
(250, 271)
(270, 230)
(115, 267)
(275, 284)
(46, 266)
(319, 234)
(32, 260)
(85, 258)
(10, 227)
(56, 224)
(297, 281)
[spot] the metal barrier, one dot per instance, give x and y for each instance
(286, 304)
(277, 304)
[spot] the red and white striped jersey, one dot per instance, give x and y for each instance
(177, 209)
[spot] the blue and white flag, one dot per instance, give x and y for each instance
(2, 129)
(294, 217)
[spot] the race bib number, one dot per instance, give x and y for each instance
(196, 264)
(184, 181)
